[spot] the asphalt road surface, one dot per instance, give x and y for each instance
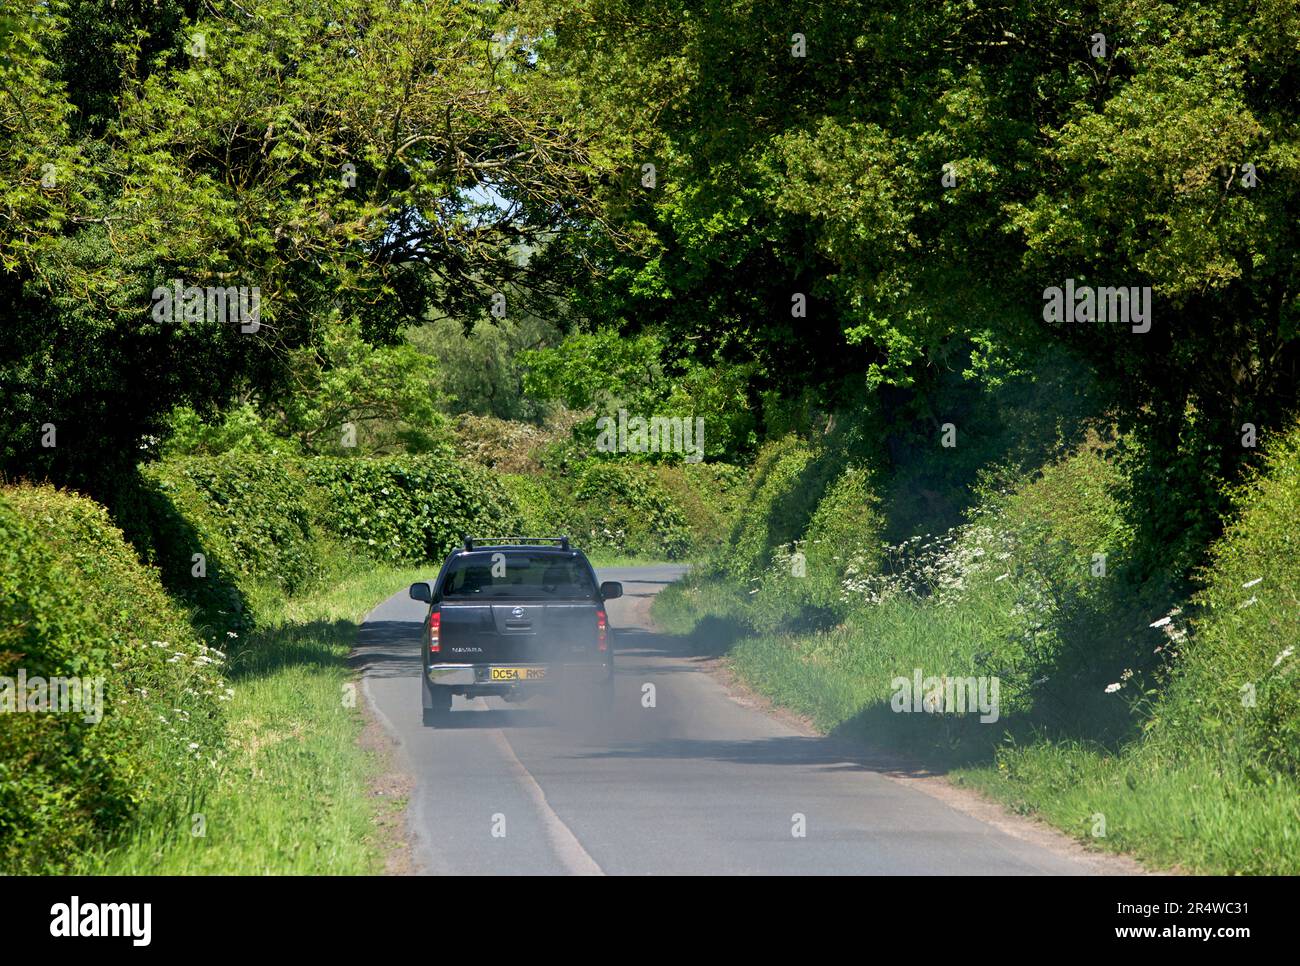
(700, 783)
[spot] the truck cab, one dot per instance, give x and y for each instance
(513, 616)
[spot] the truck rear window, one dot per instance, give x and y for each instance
(518, 575)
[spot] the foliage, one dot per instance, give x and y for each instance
(630, 509)
(807, 580)
(480, 366)
(75, 601)
(545, 504)
(594, 369)
(291, 740)
(240, 429)
(777, 507)
(605, 372)
(1236, 685)
(252, 517)
(506, 445)
(922, 177)
(411, 508)
(622, 508)
(708, 496)
(351, 397)
(258, 145)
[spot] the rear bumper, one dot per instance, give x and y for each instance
(478, 677)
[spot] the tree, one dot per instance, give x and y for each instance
(922, 176)
(337, 163)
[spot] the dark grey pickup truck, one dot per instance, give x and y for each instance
(511, 618)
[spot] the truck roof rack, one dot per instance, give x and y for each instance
(469, 542)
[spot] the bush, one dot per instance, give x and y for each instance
(708, 495)
(544, 504)
(1081, 604)
(1011, 594)
(1245, 637)
(632, 509)
(777, 506)
(623, 508)
(502, 444)
(410, 508)
(253, 519)
(842, 541)
(75, 601)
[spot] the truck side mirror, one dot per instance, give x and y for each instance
(611, 589)
(421, 591)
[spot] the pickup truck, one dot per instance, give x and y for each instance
(513, 618)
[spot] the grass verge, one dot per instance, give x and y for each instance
(1199, 810)
(290, 793)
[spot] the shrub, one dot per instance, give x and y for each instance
(75, 601)
(623, 508)
(502, 444)
(1051, 565)
(410, 508)
(544, 504)
(251, 516)
(843, 540)
(1246, 635)
(708, 495)
(777, 506)
(633, 509)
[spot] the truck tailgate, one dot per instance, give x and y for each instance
(523, 632)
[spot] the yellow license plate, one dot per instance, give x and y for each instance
(517, 673)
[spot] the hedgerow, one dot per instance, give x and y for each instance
(76, 601)
(623, 508)
(1238, 681)
(776, 505)
(253, 518)
(409, 508)
(632, 509)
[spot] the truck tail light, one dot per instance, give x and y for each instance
(435, 626)
(602, 625)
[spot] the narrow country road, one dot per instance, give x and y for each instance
(700, 783)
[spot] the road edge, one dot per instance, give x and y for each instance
(913, 774)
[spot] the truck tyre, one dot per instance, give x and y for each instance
(436, 704)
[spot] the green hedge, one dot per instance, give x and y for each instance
(622, 507)
(776, 507)
(1238, 684)
(268, 526)
(410, 508)
(842, 539)
(544, 503)
(708, 495)
(632, 509)
(75, 601)
(252, 517)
